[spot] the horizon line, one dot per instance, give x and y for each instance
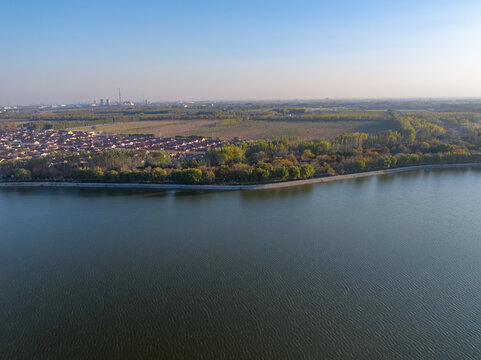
(267, 100)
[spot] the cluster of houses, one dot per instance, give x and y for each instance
(7, 108)
(24, 143)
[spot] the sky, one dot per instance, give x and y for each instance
(76, 51)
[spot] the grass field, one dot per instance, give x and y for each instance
(248, 130)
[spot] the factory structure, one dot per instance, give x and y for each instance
(107, 102)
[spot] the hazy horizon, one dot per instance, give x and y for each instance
(114, 100)
(59, 52)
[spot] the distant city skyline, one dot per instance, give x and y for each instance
(63, 52)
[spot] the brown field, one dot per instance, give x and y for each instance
(248, 130)
(157, 128)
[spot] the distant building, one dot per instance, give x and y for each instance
(102, 103)
(107, 102)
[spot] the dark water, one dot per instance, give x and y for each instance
(380, 268)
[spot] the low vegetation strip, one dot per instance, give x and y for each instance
(277, 185)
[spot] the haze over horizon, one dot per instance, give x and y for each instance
(64, 52)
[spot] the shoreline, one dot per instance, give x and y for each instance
(279, 185)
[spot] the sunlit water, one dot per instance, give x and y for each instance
(379, 268)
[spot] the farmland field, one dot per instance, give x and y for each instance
(248, 129)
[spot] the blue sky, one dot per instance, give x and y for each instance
(66, 51)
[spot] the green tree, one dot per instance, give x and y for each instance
(317, 147)
(23, 174)
(193, 176)
(306, 171)
(408, 159)
(261, 174)
(360, 164)
(282, 173)
(307, 155)
(294, 172)
(159, 175)
(386, 162)
(187, 176)
(112, 176)
(208, 176)
(97, 173)
(228, 154)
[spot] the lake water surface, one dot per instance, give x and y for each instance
(386, 267)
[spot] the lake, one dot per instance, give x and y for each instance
(386, 267)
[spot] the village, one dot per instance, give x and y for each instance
(26, 143)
